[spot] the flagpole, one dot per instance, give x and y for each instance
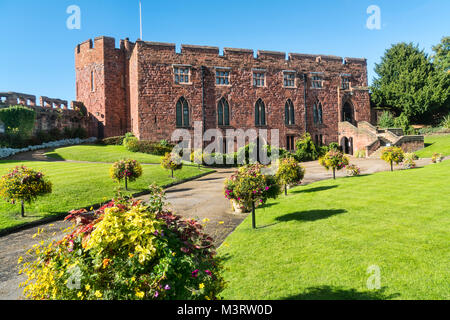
(140, 18)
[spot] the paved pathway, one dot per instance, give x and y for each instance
(201, 198)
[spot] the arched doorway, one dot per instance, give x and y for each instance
(348, 113)
(347, 145)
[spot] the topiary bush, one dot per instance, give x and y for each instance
(172, 162)
(249, 186)
(128, 170)
(25, 185)
(392, 155)
(334, 160)
(289, 172)
(126, 250)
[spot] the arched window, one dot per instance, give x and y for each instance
(320, 113)
(260, 113)
(315, 113)
(289, 114)
(223, 113)
(182, 113)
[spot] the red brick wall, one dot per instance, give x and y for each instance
(148, 101)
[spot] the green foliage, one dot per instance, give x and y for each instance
(386, 120)
(127, 250)
(18, 120)
(446, 122)
(441, 57)
(403, 123)
(131, 144)
(154, 147)
(334, 146)
(113, 141)
(408, 83)
(306, 149)
(290, 172)
(360, 154)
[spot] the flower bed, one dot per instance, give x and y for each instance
(8, 152)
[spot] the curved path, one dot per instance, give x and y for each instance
(201, 199)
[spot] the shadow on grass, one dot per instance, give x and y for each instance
(317, 189)
(311, 215)
(337, 293)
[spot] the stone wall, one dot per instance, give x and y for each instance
(52, 113)
(135, 89)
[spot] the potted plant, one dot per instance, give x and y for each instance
(353, 170)
(437, 157)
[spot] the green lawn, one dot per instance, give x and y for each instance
(435, 144)
(77, 185)
(319, 241)
(99, 153)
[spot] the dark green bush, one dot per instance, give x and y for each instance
(307, 149)
(386, 120)
(18, 120)
(113, 141)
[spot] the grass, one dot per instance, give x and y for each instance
(99, 153)
(435, 144)
(319, 242)
(77, 185)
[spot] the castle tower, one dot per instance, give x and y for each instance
(101, 84)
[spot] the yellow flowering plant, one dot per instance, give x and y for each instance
(392, 155)
(25, 185)
(172, 162)
(126, 250)
(290, 172)
(128, 170)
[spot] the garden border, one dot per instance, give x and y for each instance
(59, 217)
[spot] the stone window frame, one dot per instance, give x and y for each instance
(259, 72)
(92, 81)
(225, 77)
(317, 80)
(289, 113)
(318, 113)
(260, 113)
(290, 72)
(182, 67)
(183, 103)
(223, 102)
(290, 142)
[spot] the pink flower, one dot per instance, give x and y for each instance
(195, 273)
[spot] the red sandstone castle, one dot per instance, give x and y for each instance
(149, 89)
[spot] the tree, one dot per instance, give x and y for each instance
(441, 56)
(172, 162)
(335, 160)
(24, 184)
(128, 170)
(290, 172)
(408, 83)
(392, 154)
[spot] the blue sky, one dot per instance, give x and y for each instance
(37, 49)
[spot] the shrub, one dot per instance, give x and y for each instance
(18, 120)
(437, 157)
(250, 187)
(391, 155)
(25, 185)
(306, 149)
(127, 250)
(115, 141)
(386, 120)
(128, 170)
(403, 123)
(446, 122)
(334, 146)
(335, 160)
(172, 162)
(290, 172)
(353, 170)
(131, 144)
(360, 154)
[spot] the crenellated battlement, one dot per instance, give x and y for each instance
(188, 49)
(46, 103)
